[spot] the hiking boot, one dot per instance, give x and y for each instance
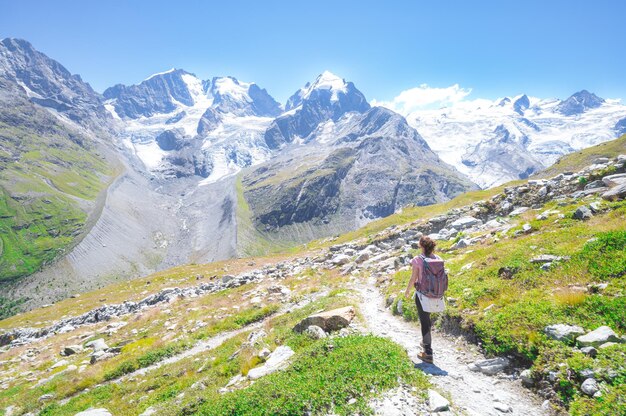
(427, 358)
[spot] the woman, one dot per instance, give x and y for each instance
(428, 247)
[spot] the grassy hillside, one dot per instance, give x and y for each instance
(50, 177)
(578, 160)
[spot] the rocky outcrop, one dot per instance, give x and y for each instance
(328, 321)
(47, 83)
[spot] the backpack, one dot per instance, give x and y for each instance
(434, 281)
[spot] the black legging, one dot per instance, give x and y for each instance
(425, 324)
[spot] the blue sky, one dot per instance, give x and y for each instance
(543, 48)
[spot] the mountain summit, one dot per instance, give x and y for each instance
(327, 98)
(579, 102)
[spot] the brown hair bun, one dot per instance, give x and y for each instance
(427, 244)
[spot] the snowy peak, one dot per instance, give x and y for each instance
(521, 104)
(327, 98)
(329, 89)
(578, 103)
(328, 81)
(241, 98)
(165, 92)
(159, 93)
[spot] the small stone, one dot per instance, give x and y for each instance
(527, 378)
(315, 332)
(590, 351)
(264, 353)
(587, 373)
(436, 402)
(589, 387)
(71, 350)
(399, 307)
(46, 397)
(582, 213)
(501, 407)
(340, 260)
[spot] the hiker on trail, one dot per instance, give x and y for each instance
(430, 281)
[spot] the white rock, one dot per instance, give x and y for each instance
(519, 211)
(276, 361)
(598, 337)
(340, 259)
(315, 332)
(465, 222)
(563, 333)
(436, 402)
(589, 387)
(490, 366)
(97, 345)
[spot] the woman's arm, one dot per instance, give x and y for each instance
(414, 278)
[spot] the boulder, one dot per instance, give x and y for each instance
(594, 185)
(563, 333)
(436, 402)
(97, 345)
(590, 387)
(598, 337)
(582, 213)
(329, 320)
(276, 361)
(363, 256)
(614, 180)
(518, 211)
(315, 332)
(462, 243)
(465, 222)
(340, 259)
(616, 193)
(71, 350)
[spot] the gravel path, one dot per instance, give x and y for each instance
(472, 393)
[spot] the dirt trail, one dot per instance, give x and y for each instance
(472, 393)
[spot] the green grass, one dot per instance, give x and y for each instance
(578, 160)
(47, 170)
(324, 378)
(534, 298)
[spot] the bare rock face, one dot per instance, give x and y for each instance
(329, 320)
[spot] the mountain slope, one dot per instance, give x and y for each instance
(51, 168)
(341, 164)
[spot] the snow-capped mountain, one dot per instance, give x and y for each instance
(327, 98)
(341, 163)
(180, 126)
(510, 138)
